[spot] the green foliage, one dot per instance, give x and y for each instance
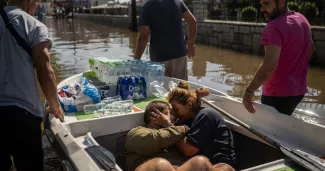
(215, 12)
(309, 9)
(249, 13)
(3, 3)
(293, 5)
(189, 4)
(246, 3)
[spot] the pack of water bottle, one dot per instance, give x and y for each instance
(109, 70)
(109, 106)
(132, 87)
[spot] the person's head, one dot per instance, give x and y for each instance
(29, 6)
(162, 106)
(185, 102)
(273, 8)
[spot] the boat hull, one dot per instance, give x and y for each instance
(67, 137)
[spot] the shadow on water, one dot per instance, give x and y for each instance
(74, 42)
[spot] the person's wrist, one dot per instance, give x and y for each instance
(167, 124)
(54, 104)
(249, 90)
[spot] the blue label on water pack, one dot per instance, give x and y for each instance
(132, 88)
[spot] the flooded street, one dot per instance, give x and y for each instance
(225, 70)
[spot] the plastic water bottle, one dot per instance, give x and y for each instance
(110, 100)
(114, 111)
(122, 87)
(127, 69)
(125, 105)
(116, 106)
(93, 107)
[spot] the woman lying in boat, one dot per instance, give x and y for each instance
(208, 134)
(152, 146)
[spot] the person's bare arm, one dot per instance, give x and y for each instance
(142, 41)
(191, 21)
(46, 77)
(267, 68)
(186, 148)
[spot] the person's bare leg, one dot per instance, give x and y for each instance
(156, 164)
(196, 163)
(222, 167)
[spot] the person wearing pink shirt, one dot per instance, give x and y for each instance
(287, 39)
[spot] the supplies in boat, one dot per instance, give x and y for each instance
(109, 70)
(74, 97)
(129, 78)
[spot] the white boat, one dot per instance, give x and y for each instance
(253, 153)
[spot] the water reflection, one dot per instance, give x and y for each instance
(226, 70)
(235, 70)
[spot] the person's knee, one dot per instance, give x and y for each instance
(201, 163)
(222, 167)
(160, 164)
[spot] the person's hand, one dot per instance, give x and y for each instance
(159, 118)
(248, 102)
(201, 92)
(191, 51)
(57, 112)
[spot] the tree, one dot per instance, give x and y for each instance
(249, 13)
(189, 4)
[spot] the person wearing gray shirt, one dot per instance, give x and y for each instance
(20, 105)
(163, 19)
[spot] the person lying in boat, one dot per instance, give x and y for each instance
(145, 143)
(208, 134)
(152, 146)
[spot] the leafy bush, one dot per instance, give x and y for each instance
(214, 12)
(293, 5)
(309, 9)
(189, 4)
(249, 13)
(245, 3)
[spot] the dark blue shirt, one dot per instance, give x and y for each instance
(210, 134)
(164, 18)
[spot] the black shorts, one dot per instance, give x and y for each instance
(20, 138)
(285, 105)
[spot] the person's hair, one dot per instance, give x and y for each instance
(285, 2)
(157, 104)
(183, 95)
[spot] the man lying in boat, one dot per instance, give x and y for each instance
(145, 143)
(156, 141)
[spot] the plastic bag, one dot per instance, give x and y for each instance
(74, 97)
(158, 90)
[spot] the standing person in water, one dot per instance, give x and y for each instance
(287, 39)
(208, 134)
(162, 20)
(20, 104)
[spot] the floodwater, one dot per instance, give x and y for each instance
(225, 70)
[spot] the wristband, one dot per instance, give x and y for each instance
(167, 124)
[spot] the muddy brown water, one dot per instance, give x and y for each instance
(74, 42)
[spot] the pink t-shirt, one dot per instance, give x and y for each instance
(292, 32)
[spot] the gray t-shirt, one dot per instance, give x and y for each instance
(164, 18)
(18, 85)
